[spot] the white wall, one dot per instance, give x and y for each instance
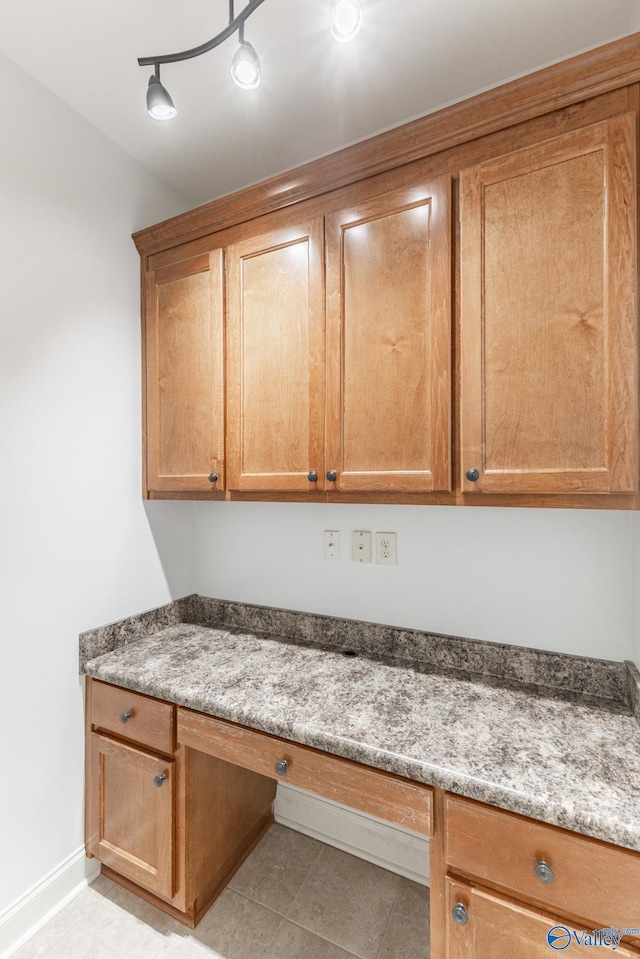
(551, 579)
(76, 548)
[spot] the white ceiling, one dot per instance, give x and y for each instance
(411, 57)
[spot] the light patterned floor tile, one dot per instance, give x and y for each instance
(294, 942)
(347, 901)
(237, 927)
(135, 906)
(183, 947)
(276, 869)
(407, 933)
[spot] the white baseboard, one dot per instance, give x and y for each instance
(40, 903)
(399, 850)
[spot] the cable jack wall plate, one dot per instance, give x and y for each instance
(332, 544)
(361, 546)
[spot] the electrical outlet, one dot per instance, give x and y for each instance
(386, 549)
(331, 544)
(361, 546)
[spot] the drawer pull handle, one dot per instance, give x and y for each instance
(125, 717)
(281, 767)
(158, 780)
(544, 872)
(459, 913)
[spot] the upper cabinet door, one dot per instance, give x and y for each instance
(185, 375)
(549, 316)
(276, 359)
(389, 340)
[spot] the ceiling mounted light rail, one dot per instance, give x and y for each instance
(345, 24)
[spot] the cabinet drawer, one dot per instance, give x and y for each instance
(372, 791)
(591, 880)
(133, 716)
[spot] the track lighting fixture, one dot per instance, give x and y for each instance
(346, 21)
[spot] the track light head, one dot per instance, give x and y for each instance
(159, 103)
(346, 20)
(245, 67)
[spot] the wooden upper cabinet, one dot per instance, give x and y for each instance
(276, 348)
(389, 339)
(184, 349)
(549, 316)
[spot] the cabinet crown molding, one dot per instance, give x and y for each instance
(563, 84)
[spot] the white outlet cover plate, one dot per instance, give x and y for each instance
(386, 549)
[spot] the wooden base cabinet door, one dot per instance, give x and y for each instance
(549, 316)
(184, 376)
(275, 292)
(389, 340)
(483, 925)
(131, 819)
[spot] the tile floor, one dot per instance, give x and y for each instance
(293, 898)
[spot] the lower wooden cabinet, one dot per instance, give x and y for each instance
(510, 886)
(484, 925)
(133, 823)
(172, 826)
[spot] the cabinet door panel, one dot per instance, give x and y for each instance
(132, 828)
(276, 359)
(548, 301)
(499, 928)
(185, 375)
(388, 336)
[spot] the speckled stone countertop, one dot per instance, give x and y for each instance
(559, 756)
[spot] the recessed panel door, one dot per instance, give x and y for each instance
(549, 317)
(389, 340)
(185, 375)
(134, 814)
(276, 360)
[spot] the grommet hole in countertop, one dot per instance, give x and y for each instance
(349, 652)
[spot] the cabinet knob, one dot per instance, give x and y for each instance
(472, 475)
(213, 477)
(459, 913)
(281, 767)
(158, 780)
(313, 476)
(332, 476)
(544, 872)
(125, 717)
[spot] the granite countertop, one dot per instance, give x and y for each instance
(554, 754)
